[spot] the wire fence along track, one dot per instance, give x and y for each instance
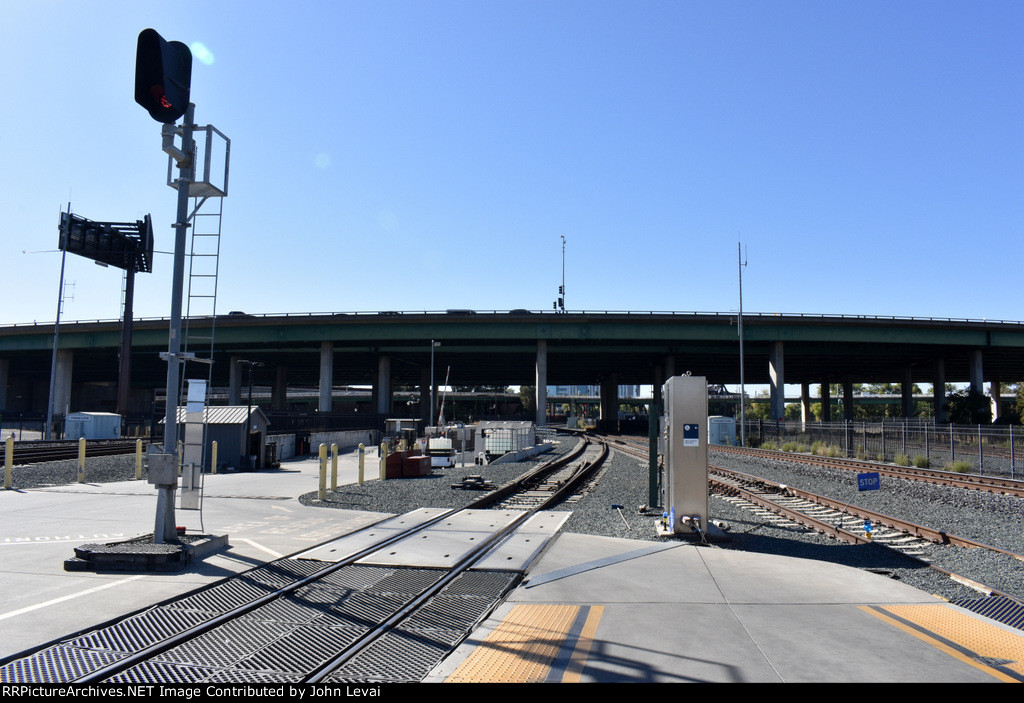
(989, 449)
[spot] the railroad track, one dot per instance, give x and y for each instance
(991, 484)
(37, 453)
(306, 620)
(788, 506)
(538, 489)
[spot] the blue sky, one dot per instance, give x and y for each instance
(431, 154)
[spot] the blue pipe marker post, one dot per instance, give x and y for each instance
(868, 481)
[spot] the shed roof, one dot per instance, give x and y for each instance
(226, 414)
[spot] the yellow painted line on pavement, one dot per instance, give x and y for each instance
(534, 644)
(975, 641)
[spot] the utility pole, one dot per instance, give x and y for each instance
(560, 302)
(743, 424)
(48, 430)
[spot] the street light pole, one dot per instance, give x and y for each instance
(563, 273)
(432, 345)
(743, 417)
(248, 415)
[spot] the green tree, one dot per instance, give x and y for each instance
(527, 397)
(968, 407)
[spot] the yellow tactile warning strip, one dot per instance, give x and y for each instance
(981, 644)
(533, 644)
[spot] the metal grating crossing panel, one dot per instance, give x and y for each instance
(356, 577)
(998, 608)
(57, 664)
(369, 609)
(288, 610)
(302, 650)
(410, 652)
(409, 581)
(163, 672)
(446, 612)
(223, 646)
(140, 631)
(317, 595)
(253, 677)
(398, 657)
(286, 638)
(481, 583)
(223, 598)
(282, 573)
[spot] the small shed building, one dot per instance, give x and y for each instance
(240, 441)
(92, 426)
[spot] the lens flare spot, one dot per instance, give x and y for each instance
(201, 53)
(322, 161)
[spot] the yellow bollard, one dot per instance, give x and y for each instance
(383, 461)
(213, 459)
(8, 461)
(322, 493)
(138, 459)
(334, 467)
(81, 459)
(362, 462)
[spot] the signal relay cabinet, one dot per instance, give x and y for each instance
(684, 440)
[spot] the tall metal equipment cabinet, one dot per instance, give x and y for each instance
(685, 448)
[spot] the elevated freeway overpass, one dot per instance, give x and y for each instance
(387, 350)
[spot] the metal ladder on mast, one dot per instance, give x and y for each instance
(204, 268)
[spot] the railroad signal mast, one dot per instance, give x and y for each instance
(163, 78)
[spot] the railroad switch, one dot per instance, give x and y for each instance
(474, 483)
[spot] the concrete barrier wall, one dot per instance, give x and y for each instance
(285, 445)
(343, 438)
(523, 453)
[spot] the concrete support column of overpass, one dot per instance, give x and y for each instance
(908, 392)
(669, 367)
(62, 382)
(996, 394)
(777, 379)
(610, 404)
(326, 376)
(826, 401)
(384, 385)
(234, 382)
(279, 392)
(939, 391)
(805, 403)
(977, 372)
(5, 373)
(847, 399)
(541, 379)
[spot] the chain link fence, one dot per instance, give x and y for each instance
(984, 449)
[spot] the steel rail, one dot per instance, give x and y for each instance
(62, 451)
(933, 535)
(156, 648)
(853, 538)
(467, 562)
(930, 534)
(991, 484)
